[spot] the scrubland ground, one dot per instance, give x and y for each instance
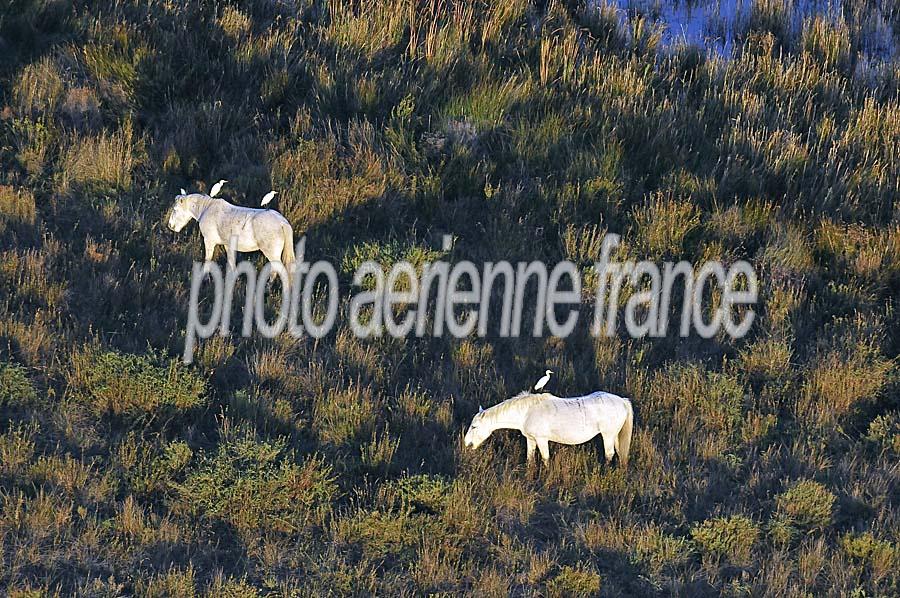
(761, 466)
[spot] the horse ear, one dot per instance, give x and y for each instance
(480, 409)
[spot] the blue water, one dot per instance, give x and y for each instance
(720, 25)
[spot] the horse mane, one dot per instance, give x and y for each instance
(523, 399)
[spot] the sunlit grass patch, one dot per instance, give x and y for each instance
(26, 274)
(768, 358)
(664, 224)
(488, 103)
(39, 88)
(848, 368)
(370, 30)
(107, 159)
(827, 42)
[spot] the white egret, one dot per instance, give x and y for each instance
(268, 197)
(543, 381)
(216, 188)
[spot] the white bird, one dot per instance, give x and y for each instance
(216, 188)
(543, 381)
(183, 192)
(268, 197)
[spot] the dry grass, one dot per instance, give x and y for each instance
(107, 159)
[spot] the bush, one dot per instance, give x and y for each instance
(141, 388)
(731, 538)
(577, 581)
(879, 557)
(16, 390)
(807, 504)
(256, 485)
(885, 432)
(418, 492)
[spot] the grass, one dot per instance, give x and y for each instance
(763, 466)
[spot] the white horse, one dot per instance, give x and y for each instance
(235, 227)
(543, 417)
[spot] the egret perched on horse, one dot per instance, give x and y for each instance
(236, 227)
(543, 418)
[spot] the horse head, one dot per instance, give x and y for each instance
(180, 214)
(476, 434)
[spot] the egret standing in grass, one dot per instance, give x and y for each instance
(268, 197)
(216, 188)
(539, 386)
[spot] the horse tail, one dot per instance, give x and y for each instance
(624, 437)
(287, 254)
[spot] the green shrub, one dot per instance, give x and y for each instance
(148, 471)
(386, 536)
(422, 492)
(731, 538)
(387, 254)
(659, 551)
(885, 432)
(344, 415)
(807, 504)
(138, 387)
(255, 486)
(879, 557)
(572, 582)
(16, 390)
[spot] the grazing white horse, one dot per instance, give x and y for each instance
(235, 227)
(543, 418)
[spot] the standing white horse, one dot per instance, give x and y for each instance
(235, 227)
(543, 418)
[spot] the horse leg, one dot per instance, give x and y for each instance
(544, 446)
(609, 447)
(210, 249)
(532, 445)
(275, 258)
